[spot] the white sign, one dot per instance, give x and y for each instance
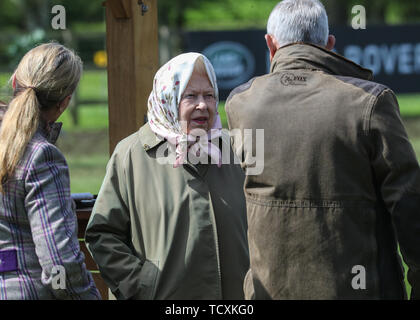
(403, 58)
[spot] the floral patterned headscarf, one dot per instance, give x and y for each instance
(169, 84)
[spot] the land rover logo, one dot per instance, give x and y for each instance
(233, 63)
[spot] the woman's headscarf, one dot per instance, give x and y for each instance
(3, 107)
(169, 84)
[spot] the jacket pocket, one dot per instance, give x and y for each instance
(148, 280)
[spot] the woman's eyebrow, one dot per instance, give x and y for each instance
(195, 90)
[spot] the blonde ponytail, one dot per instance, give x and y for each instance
(18, 127)
(45, 76)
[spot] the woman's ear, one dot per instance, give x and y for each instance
(64, 103)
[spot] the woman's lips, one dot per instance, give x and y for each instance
(200, 120)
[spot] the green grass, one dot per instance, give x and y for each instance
(222, 114)
(409, 104)
(4, 78)
(407, 284)
(4, 92)
(86, 172)
(93, 85)
(91, 117)
(87, 166)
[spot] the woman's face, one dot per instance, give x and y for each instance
(197, 107)
(53, 113)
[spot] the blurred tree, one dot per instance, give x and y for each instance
(227, 14)
(172, 12)
(81, 10)
(10, 16)
(234, 14)
(22, 44)
(337, 10)
(28, 15)
(407, 11)
(85, 17)
(36, 13)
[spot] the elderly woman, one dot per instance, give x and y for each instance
(40, 257)
(164, 227)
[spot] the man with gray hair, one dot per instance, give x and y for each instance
(340, 187)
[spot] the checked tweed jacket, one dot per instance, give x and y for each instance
(38, 230)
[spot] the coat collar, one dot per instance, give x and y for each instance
(150, 140)
(309, 56)
(51, 133)
(148, 137)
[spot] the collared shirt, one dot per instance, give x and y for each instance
(39, 250)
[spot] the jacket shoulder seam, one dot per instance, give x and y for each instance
(125, 146)
(371, 108)
(242, 88)
(368, 86)
(43, 150)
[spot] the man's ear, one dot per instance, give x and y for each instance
(331, 42)
(272, 45)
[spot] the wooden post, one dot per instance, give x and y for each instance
(133, 59)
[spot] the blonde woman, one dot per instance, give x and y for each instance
(40, 257)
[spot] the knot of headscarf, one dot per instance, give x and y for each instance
(168, 86)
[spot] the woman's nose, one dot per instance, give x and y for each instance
(201, 103)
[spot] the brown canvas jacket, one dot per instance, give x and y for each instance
(340, 186)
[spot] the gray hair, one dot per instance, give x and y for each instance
(299, 21)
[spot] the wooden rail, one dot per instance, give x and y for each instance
(83, 216)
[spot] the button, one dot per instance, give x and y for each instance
(146, 147)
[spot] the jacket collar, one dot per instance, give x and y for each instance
(309, 56)
(150, 140)
(148, 137)
(50, 132)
